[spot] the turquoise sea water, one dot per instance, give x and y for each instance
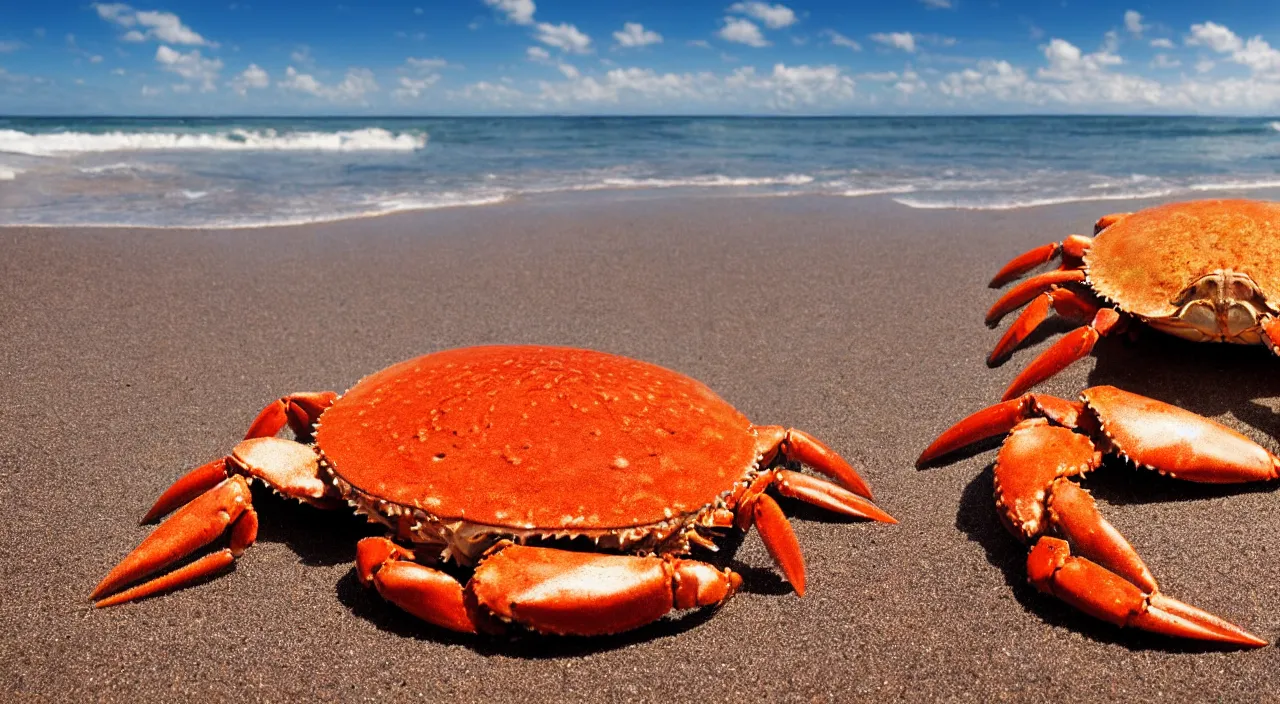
(259, 171)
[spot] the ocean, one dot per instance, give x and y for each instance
(237, 172)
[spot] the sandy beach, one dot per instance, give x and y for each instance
(131, 355)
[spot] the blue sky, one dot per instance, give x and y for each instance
(625, 56)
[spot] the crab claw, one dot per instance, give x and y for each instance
(200, 522)
(827, 495)
(1176, 441)
(1101, 593)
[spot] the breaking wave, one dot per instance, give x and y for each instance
(72, 143)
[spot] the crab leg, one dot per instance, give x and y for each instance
(1073, 346)
(1000, 419)
(548, 590)
(289, 467)
(827, 495)
(1065, 302)
(1103, 594)
(299, 411)
(195, 525)
(799, 446)
(1072, 250)
(1271, 333)
(1026, 291)
(1107, 221)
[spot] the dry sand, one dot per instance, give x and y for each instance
(130, 355)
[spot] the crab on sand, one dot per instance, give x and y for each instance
(573, 481)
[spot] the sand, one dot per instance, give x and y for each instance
(128, 356)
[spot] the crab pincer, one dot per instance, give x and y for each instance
(1075, 554)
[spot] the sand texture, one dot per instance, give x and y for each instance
(129, 356)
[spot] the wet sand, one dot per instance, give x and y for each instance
(129, 356)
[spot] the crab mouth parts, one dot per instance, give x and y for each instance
(1223, 306)
(466, 542)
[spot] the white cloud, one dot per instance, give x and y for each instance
(1255, 53)
(838, 39)
(252, 77)
(537, 54)
(149, 24)
(742, 31)
(1214, 36)
(117, 72)
(634, 34)
(1162, 43)
(878, 76)
(411, 87)
(95, 59)
(700, 43)
(425, 64)
(1163, 61)
(792, 87)
(354, 86)
(302, 56)
(423, 73)
(773, 16)
(489, 94)
(1133, 23)
(937, 4)
(516, 11)
(1204, 66)
(569, 70)
(10, 46)
(191, 66)
(563, 36)
(148, 91)
(898, 40)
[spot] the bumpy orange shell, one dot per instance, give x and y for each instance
(1143, 262)
(536, 439)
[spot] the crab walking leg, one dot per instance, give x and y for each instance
(1103, 594)
(551, 591)
(1072, 250)
(1000, 419)
(1073, 346)
(1028, 290)
(299, 411)
(1107, 221)
(799, 446)
(195, 525)
(289, 467)
(830, 496)
(1067, 303)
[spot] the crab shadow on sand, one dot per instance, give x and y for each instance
(1208, 379)
(327, 538)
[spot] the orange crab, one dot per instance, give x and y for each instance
(572, 481)
(1203, 270)
(1076, 555)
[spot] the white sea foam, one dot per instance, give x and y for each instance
(1235, 185)
(1274, 125)
(7, 174)
(73, 143)
(873, 191)
(924, 203)
(714, 180)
